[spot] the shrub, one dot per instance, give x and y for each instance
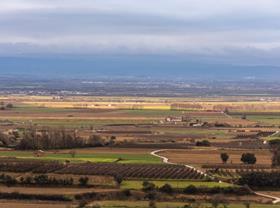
(118, 179)
(9, 105)
(41, 179)
(224, 157)
(166, 188)
(9, 180)
(152, 204)
(148, 186)
(204, 143)
(83, 181)
(248, 158)
(191, 189)
(126, 192)
(152, 195)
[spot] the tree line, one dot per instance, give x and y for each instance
(41, 180)
(59, 139)
(261, 179)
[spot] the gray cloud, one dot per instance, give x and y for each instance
(201, 27)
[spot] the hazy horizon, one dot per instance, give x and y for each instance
(200, 39)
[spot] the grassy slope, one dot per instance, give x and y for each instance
(264, 119)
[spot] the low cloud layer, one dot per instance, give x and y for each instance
(220, 29)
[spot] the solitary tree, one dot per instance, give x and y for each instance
(224, 157)
(83, 181)
(118, 179)
(276, 157)
(248, 158)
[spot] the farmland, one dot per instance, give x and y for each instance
(206, 156)
(99, 150)
(88, 156)
(134, 184)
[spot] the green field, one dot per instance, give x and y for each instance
(145, 204)
(265, 119)
(93, 157)
(137, 184)
(23, 108)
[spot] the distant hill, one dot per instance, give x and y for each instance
(131, 66)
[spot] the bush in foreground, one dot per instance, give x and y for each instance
(166, 188)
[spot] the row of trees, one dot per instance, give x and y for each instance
(246, 158)
(275, 149)
(59, 139)
(191, 189)
(261, 179)
(42, 180)
(217, 199)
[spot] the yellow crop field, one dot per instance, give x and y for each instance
(194, 104)
(99, 105)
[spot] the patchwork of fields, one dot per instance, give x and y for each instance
(114, 166)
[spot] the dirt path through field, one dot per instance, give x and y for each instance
(275, 199)
(166, 160)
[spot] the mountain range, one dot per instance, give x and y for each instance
(111, 66)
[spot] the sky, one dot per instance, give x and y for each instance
(230, 31)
